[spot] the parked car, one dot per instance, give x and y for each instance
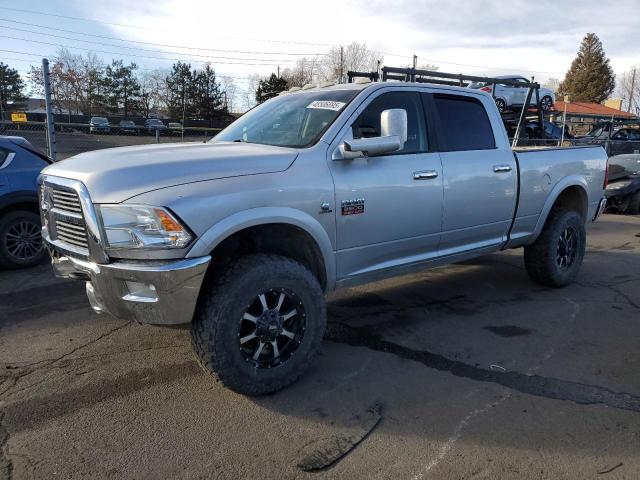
(20, 239)
(623, 141)
(99, 125)
(127, 127)
(154, 125)
(175, 128)
(309, 192)
(508, 97)
(623, 188)
(551, 135)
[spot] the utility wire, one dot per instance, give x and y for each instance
(278, 62)
(151, 43)
(469, 65)
(49, 14)
(138, 48)
(218, 74)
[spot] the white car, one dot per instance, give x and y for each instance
(508, 96)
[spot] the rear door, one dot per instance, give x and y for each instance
(480, 179)
(388, 207)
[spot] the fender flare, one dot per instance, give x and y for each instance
(226, 227)
(556, 191)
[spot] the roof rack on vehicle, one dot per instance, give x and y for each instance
(459, 80)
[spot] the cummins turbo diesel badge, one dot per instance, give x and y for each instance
(326, 105)
(353, 207)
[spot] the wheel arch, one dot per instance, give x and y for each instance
(279, 230)
(570, 193)
(22, 200)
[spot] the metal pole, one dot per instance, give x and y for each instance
(51, 129)
(564, 122)
(341, 80)
(523, 118)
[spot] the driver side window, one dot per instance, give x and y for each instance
(367, 125)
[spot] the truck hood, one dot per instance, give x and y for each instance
(115, 174)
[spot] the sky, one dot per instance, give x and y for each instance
(242, 37)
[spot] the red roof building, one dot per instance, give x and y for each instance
(591, 110)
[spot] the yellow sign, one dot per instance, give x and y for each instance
(19, 117)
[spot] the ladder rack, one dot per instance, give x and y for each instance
(460, 80)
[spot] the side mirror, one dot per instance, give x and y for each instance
(394, 123)
(393, 130)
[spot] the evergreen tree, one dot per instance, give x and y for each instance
(270, 87)
(122, 88)
(11, 87)
(181, 90)
(590, 78)
(209, 98)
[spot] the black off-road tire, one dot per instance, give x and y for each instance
(634, 204)
(216, 324)
(12, 223)
(541, 258)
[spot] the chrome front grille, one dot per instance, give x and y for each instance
(67, 201)
(75, 234)
(64, 218)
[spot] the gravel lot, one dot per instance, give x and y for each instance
(468, 371)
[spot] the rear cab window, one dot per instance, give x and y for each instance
(463, 123)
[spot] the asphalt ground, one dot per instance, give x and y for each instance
(465, 371)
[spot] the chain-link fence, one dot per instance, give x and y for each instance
(75, 138)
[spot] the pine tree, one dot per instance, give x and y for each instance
(11, 87)
(181, 90)
(590, 78)
(122, 88)
(209, 97)
(270, 87)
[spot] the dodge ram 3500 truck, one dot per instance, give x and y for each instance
(311, 191)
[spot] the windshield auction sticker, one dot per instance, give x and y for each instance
(326, 105)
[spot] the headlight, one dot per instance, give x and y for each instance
(618, 185)
(141, 226)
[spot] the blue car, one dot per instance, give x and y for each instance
(20, 165)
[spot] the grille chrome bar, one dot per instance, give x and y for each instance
(71, 225)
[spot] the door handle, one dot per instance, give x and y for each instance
(501, 168)
(425, 175)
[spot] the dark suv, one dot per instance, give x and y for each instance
(20, 165)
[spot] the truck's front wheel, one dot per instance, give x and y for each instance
(556, 256)
(260, 324)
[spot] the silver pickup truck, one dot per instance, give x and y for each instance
(311, 191)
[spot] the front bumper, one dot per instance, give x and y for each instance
(152, 292)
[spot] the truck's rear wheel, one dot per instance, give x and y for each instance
(260, 324)
(556, 256)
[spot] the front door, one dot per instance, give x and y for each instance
(480, 179)
(388, 207)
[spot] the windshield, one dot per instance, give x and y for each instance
(154, 122)
(99, 120)
(296, 120)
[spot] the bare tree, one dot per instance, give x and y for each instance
(230, 91)
(153, 91)
(552, 84)
(628, 89)
(355, 57)
(306, 70)
(250, 93)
